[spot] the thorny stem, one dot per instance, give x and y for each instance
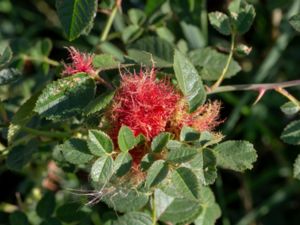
(50, 134)
(110, 20)
(262, 88)
(254, 87)
(224, 71)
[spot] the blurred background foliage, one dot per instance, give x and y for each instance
(266, 195)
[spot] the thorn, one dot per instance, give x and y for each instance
(261, 93)
(207, 88)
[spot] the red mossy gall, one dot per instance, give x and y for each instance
(80, 62)
(149, 106)
(205, 118)
(144, 103)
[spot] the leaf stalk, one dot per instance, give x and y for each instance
(110, 20)
(224, 71)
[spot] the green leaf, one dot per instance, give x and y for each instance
(153, 5)
(76, 151)
(105, 62)
(165, 34)
(290, 108)
(188, 134)
(130, 33)
(147, 161)
(189, 81)
(109, 48)
(209, 215)
(76, 16)
(208, 138)
(99, 143)
(134, 218)
(160, 141)
(185, 183)
(2, 147)
(42, 48)
(66, 97)
(171, 208)
(122, 163)
(5, 56)
(211, 63)
(295, 22)
(221, 22)
(235, 155)
(51, 221)
(46, 205)
(244, 19)
(140, 139)
(102, 169)
(149, 49)
(9, 75)
(234, 6)
(18, 218)
(156, 173)
(204, 166)
(296, 171)
(25, 112)
(291, 133)
(20, 155)
(46, 46)
(21, 117)
(126, 139)
(180, 152)
(126, 200)
(70, 212)
(162, 201)
(136, 16)
(99, 103)
(193, 35)
(181, 211)
(207, 197)
(210, 209)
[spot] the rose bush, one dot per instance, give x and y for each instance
(121, 115)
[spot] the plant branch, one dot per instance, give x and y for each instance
(110, 20)
(224, 71)
(50, 134)
(254, 87)
(44, 59)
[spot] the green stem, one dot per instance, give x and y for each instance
(110, 21)
(44, 59)
(154, 219)
(203, 20)
(222, 76)
(50, 134)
